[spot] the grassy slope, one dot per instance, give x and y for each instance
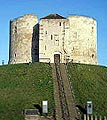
(90, 83)
(23, 85)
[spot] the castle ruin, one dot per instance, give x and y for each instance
(72, 39)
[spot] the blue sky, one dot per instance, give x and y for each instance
(10, 9)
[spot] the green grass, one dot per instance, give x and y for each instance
(23, 85)
(90, 84)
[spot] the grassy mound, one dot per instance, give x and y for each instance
(23, 85)
(90, 84)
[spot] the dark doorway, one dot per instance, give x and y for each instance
(57, 58)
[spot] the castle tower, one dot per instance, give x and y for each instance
(73, 39)
(81, 37)
(23, 39)
(52, 38)
(55, 38)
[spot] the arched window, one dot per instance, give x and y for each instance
(15, 54)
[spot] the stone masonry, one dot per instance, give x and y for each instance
(74, 39)
(81, 44)
(23, 39)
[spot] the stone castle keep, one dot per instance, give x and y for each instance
(72, 39)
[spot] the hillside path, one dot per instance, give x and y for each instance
(68, 93)
(65, 108)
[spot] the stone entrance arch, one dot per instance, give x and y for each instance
(56, 58)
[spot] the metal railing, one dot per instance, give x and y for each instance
(61, 91)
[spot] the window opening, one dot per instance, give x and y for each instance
(45, 47)
(92, 55)
(60, 24)
(15, 29)
(92, 29)
(15, 54)
(64, 25)
(51, 37)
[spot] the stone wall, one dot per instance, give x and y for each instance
(52, 35)
(23, 39)
(82, 39)
(73, 39)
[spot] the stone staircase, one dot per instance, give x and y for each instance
(65, 109)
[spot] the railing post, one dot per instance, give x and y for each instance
(91, 117)
(100, 118)
(105, 118)
(95, 117)
(84, 117)
(88, 118)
